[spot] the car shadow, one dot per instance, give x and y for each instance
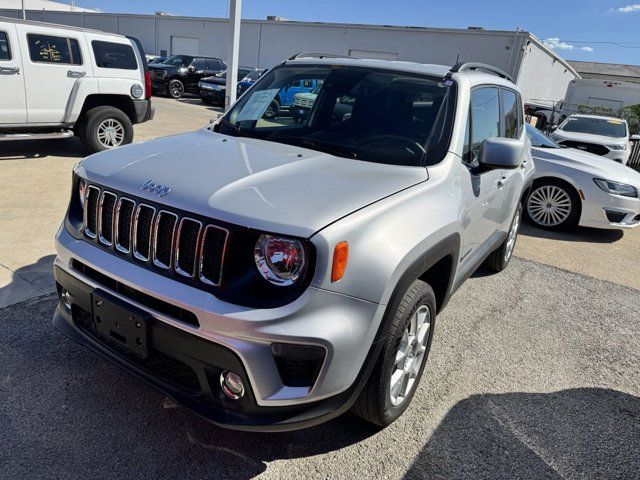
(32, 149)
(29, 281)
(586, 433)
(581, 234)
(103, 423)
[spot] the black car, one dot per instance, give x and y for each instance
(213, 89)
(181, 73)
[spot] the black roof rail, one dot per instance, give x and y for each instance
(317, 55)
(462, 66)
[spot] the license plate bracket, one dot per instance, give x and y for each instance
(121, 322)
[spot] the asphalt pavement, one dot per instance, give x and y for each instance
(533, 374)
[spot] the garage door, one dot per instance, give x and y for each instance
(184, 46)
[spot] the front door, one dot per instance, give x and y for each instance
(14, 106)
(53, 65)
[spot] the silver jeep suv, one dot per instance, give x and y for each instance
(270, 274)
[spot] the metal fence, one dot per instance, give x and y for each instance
(634, 159)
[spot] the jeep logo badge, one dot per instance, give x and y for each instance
(159, 190)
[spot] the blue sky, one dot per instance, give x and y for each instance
(563, 22)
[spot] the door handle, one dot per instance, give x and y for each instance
(503, 181)
(11, 70)
(75, 73)
(523, 165)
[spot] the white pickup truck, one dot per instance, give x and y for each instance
(59, 81)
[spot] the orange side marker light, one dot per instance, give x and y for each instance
(340, 258)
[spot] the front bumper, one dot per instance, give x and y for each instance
(620, 156)
(612, 212)
(344, 326)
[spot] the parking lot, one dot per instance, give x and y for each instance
(533, 373)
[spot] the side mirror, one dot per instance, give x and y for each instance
(498, 153)
(635, 138)
(192, 68)
(553, 128)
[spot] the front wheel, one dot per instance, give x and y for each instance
(397, 373)
(553, 205)
(104, 128)
(175, 89)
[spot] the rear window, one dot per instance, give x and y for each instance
(114, 55)
(5, 53)
(50, 49)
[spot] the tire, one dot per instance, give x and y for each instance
(175, 89)
(564, 211)
(501, 256)
(272, 110)
(104, 128)
(376, 403)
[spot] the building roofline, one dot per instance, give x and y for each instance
(553, 54)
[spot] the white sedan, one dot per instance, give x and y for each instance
(573, 188)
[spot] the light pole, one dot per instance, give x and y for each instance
(233, 50)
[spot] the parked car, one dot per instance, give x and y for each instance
(246, 82)
(213, 89)
(303, 103)
(155, 58)
(281, 104)
(279, 274)
(605, 136)
(58, 82)
(181, 74)
(578, 188)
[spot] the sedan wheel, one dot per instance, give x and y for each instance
(551, 206)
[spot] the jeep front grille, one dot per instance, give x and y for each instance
(159, 238)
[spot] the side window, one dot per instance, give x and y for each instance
(199, 64)
(485, 118)
(50, 49)
(114, 55)
(218, 65)
(512, 115)
(5, 52)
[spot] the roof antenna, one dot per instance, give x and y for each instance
(457, 58)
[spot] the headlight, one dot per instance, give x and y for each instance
(82, 191)
(279, 260)
(617, 147)
(136, 90)
(617, 188)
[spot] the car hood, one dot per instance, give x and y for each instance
(254, 183)
(588, 138)
(214, 80)
(599, 167)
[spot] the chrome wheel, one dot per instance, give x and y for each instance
(410, 355)
(549, 205)
(110, 133)
(176, 90)
(513, 235)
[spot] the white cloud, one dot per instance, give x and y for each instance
(554, 43)
(629, 8)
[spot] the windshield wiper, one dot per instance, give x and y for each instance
(330, 148)
(241, 132)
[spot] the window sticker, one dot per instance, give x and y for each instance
(257, 105)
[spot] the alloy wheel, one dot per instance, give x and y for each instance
(513, 235)
(110, 133)
(176, 90)
(410, 355)
(549, 205)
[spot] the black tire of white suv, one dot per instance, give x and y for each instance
(104, 128)
(378, 403)
(500, 257)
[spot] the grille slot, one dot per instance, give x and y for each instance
(163, 234)
(91, 212)
(214, 242)
(142, 226)
(124, 222)
(184, 248)
(188, 237)
(586, 147)
(106, 214)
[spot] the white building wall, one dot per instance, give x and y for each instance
(540, 73)
(543, 76)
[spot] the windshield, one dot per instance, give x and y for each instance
(382, 116)
(595, 126)
(179, 60)
(538, 139)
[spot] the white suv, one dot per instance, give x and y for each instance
(270, 274)
(60, 81)
(605, 136)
